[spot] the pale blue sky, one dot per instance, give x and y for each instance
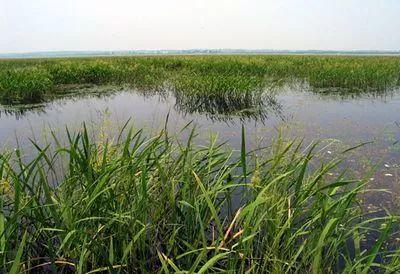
(52, 25)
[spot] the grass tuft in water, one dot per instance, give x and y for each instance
(24, 84)
(155, 204)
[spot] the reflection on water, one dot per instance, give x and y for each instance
(246, 106)
(345, 119)
(21, 111)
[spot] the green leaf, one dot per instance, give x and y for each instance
(16, 264)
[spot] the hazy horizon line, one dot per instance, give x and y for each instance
(189, 50)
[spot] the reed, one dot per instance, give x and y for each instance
(34, 79)
(141, 203)
(24, 84)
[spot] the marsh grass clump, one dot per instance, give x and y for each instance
(150, 204)
(215, 93)
(223, 106)
(100, 72)
(24, 85)
(82, 73)
(354, 76)
(212, 83)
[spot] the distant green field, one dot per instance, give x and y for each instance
(32, 80)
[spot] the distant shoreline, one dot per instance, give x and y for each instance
(61, 54)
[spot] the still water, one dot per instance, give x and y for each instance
(341, 121)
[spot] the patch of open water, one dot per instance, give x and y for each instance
(344, 121)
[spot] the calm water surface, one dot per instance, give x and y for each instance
(341, 121)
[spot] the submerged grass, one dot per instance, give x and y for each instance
(33, 79)
(156, 204)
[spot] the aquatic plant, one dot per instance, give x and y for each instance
(158, 204)
(24, 85)
(200, 74)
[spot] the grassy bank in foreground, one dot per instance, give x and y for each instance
(31, 80)
(154, 204)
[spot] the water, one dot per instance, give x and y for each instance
(342, 121)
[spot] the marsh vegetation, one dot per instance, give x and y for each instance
(155, 204)
(33, 80)
(137, 200)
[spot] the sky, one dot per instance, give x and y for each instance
(70, 25)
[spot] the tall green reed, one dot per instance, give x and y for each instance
(24, 85)
(138, 203)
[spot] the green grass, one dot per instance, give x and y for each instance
(156, 204)
(34, 79)
(25, 84)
